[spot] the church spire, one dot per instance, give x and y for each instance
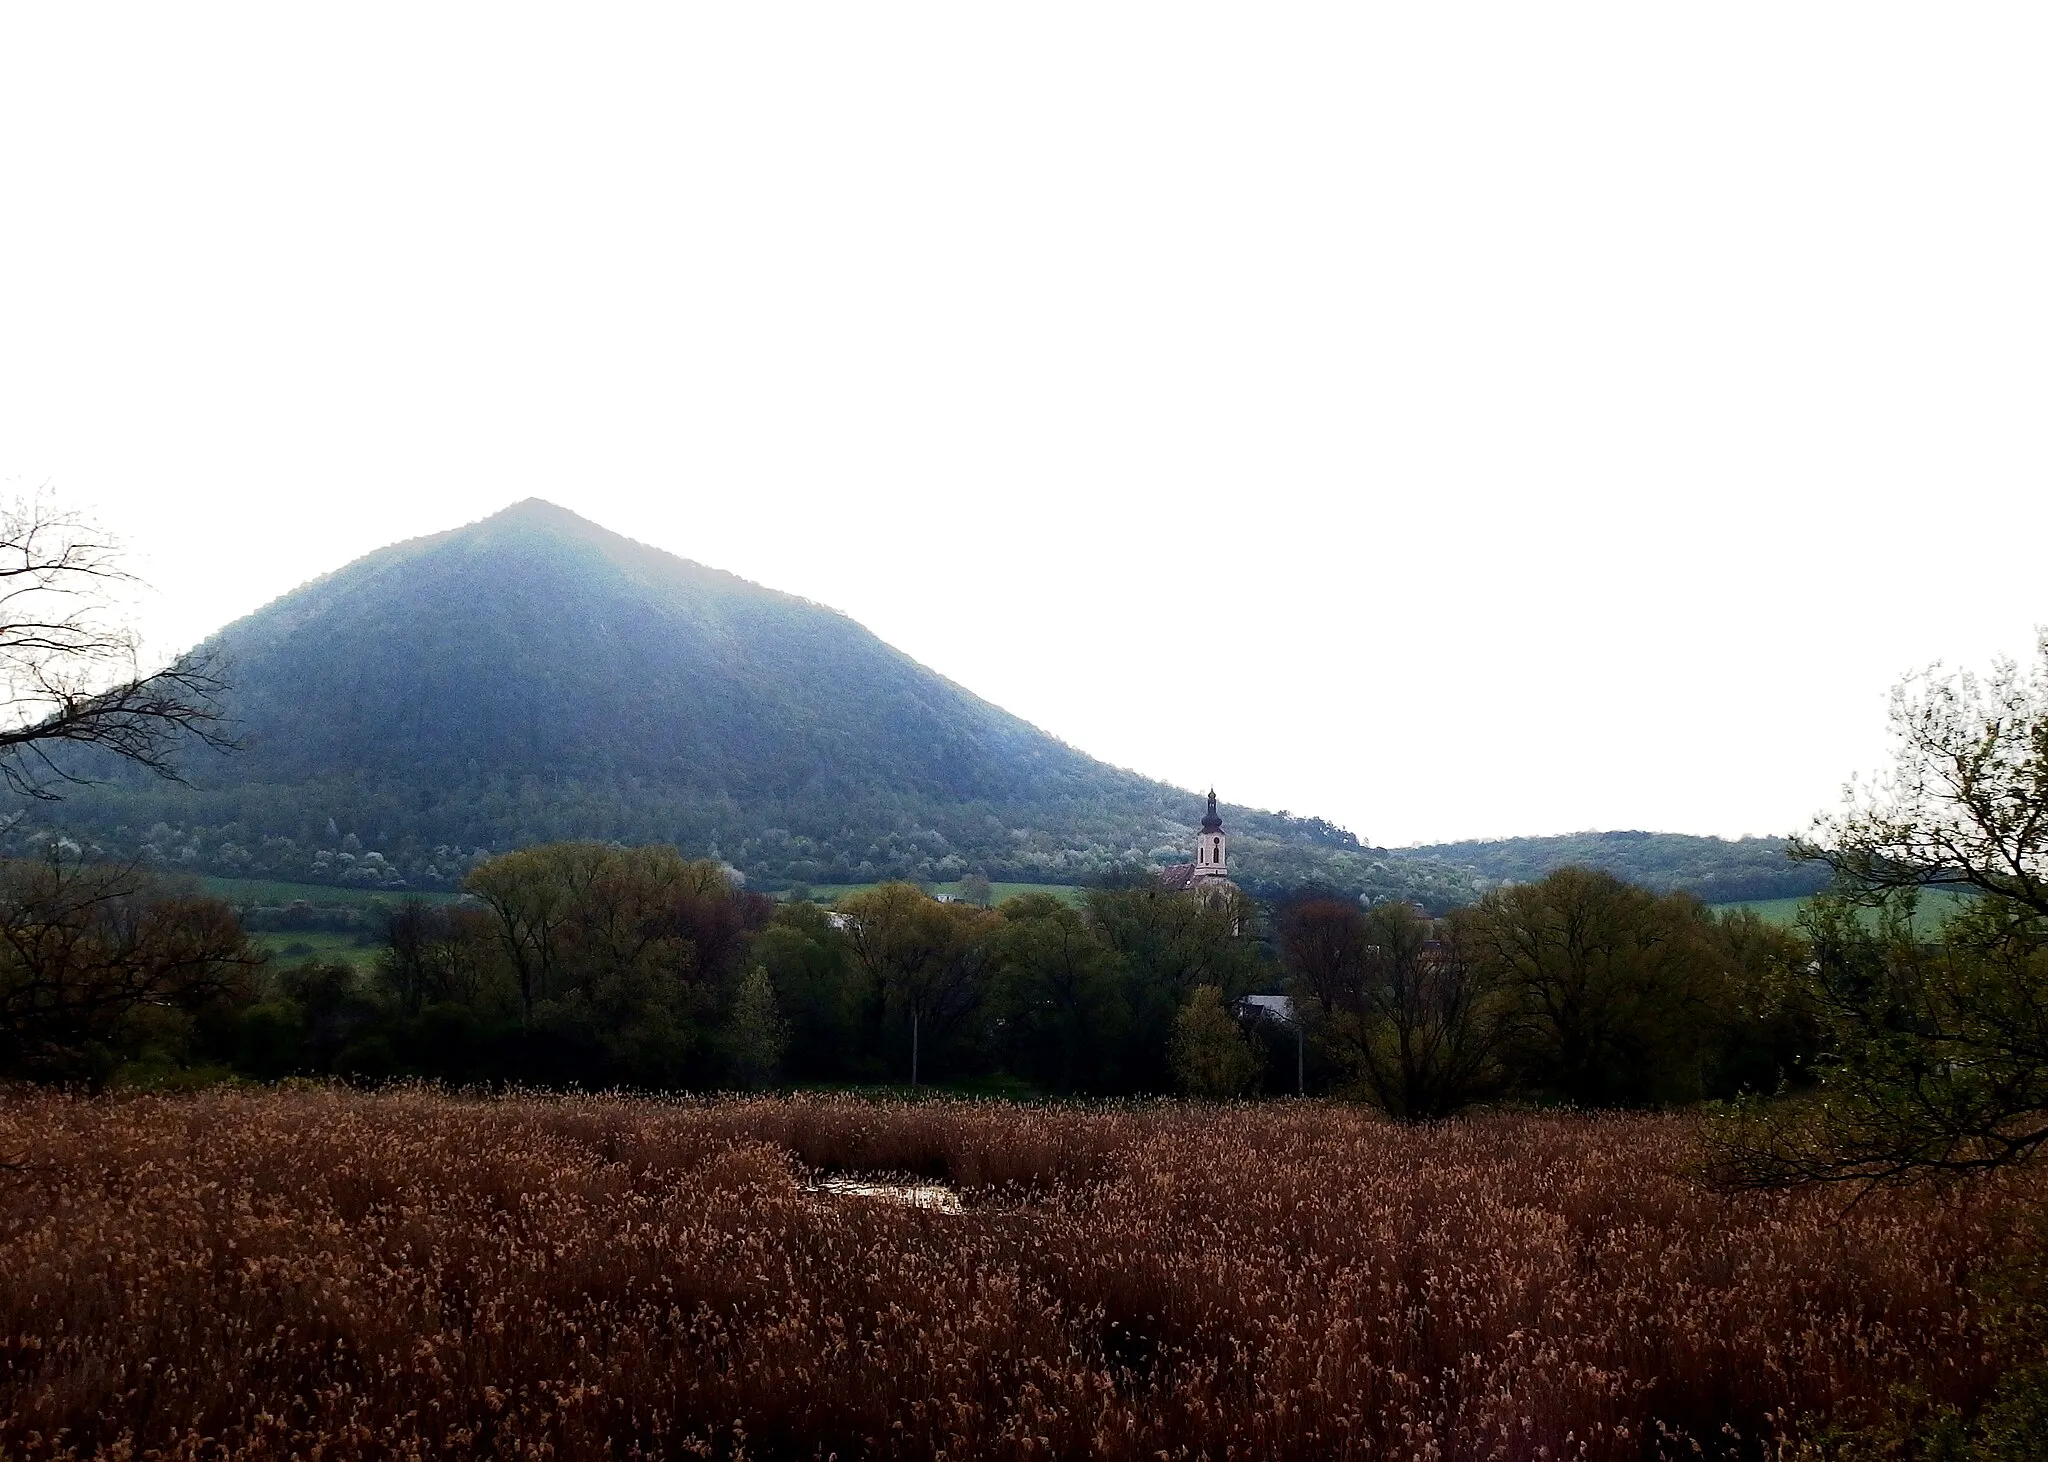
(1209, 864)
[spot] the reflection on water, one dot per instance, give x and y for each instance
(910, 1192)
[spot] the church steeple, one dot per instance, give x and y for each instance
(1209, 845)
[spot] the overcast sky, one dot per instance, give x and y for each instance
(1452, 420)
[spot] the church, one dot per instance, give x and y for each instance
(1210, 872)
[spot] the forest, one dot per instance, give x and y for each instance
(598, 965)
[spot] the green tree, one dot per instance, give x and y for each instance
(1966, 803)
(619, 955)
(929, 959)
(532, 894)
(1211, 1057)
(1615, 989)
(1169, 943)
(756, 1035)
(824, 994)
(1058, 992)
(1769, 1033)
(1934, 1053)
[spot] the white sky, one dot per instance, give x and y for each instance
(1449, 419)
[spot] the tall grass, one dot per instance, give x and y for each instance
(344, 1274)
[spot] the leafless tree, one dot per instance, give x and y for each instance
(71, 672)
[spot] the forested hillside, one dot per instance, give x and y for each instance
(1718, 870)
(533, 677)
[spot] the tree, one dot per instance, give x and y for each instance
(1396, 1000)
(1769, 1034)
(71, 674)
(1966, 803)
(819, 990)
(1615, 989)
(620, 955)
(1057, 989)
(406, 964)
(757, 1033)
(1934, 1050)
(532, 893)
(1169, 944)
(1935, 1055)
(928, 958)
(1324, 946)
(1210, 1054)
(86, 947)
(434, 954)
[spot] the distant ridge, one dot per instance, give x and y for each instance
(534, 676)
(1718, 870)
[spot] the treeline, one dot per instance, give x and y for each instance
(1717, 870)
(1576, 988)
(386, 832)
(599, 965)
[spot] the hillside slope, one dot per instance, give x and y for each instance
(1718, 870)
(533, 676)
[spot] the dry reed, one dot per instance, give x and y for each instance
(320, 1272)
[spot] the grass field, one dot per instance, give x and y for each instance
(292, 946)
(1774, 911)
(318, 1272)
(1935, 906)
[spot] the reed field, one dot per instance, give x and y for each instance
(320, 1272)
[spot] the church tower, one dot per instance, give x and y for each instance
(1209, 858)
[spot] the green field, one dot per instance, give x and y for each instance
(1935, 907)
(271, 891)
(1771, 911)
(297, 946)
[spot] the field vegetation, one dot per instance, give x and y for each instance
(289, 947)
(315, 1271)
(1932, 908)
(261, 893)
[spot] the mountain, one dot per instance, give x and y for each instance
(533, 676)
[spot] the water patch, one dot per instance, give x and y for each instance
(909, 1192)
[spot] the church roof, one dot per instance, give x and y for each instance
(1189, 877)
(1211, 823)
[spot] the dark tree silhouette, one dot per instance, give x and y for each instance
(71, 673)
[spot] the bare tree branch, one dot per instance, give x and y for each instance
(71, 672)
